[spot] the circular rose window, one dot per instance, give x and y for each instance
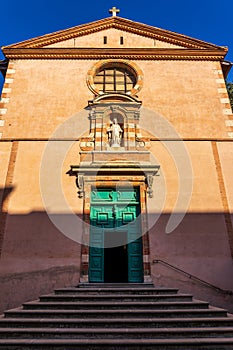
(118, 77)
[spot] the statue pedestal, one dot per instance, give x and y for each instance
(115, 148)
(115, 155)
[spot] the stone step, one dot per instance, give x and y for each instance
(110, 344)
(112, 297)
(117, 322)
(114, 318)
(115, 333)
(35, 305)
(110, 313)
(119, 290)
(116, 285)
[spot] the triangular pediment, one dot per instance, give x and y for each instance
(164, 38)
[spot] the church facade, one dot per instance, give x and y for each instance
(116, 148)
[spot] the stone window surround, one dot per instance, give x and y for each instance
(128, 65)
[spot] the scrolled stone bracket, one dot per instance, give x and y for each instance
(149, 182)
(142, 142)
(80, 184)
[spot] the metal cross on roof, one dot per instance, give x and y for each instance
(114, 11)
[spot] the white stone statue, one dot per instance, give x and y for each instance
(115, 134)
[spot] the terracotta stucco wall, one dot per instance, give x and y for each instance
(191, 95)
(200, 243)
(188, 95)
(45, 94)
(38, 254)
(37, 198)
(5, 148)
(225, 150)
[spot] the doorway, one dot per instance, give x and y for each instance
(116, 264)
(115, 253)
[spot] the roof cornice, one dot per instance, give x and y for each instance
(118, 23)
(115, 53)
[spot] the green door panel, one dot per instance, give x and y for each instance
(135, 263)
(115, 219)
(100, 218)
(108, 195)
(96, 263)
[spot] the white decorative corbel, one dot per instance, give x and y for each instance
(149, 181)
(80, 185)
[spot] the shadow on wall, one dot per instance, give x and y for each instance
(199, 246)
(35, 257)
(4, 193)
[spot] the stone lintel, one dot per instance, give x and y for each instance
(129, 171)
(118, 168)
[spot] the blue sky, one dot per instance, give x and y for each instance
(207, 20)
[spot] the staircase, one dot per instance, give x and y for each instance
(122, 316)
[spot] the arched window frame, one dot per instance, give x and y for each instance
(131, 72)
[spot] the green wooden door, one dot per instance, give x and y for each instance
(130, 215)
(101, 219)
(114, 213)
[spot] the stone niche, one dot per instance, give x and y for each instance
(115, 134)
(114, 146)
